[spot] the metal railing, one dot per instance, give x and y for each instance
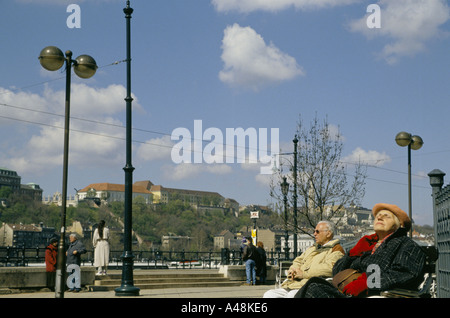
(26, 256)
(441, 213)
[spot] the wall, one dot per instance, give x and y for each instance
(36, 277)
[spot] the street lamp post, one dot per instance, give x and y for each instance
(294, 197)
(404, 139)
(127, 287)
(285, 190)
(52, 59)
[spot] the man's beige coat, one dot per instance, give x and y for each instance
(315, 262)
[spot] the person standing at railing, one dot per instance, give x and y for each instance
(51, 252)
(250, 256)
(100, 241)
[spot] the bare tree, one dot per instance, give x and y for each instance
(326, 186)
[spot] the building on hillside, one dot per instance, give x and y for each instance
(199, 199)
(223, 240)
(10, 179)
(110, 192)
(175, 243)
(31, 190)
(25, 235)
(56, 198)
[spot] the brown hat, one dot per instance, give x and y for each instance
(404, 219)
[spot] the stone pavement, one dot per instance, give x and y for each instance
(187, 293)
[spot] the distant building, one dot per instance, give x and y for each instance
(25, 235)
(56, 198)
(224, 239)
(111, 192)
(10, 179)
(303, 242)
(174, 242)
(200, 199)
(271, 239)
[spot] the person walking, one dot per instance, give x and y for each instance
(100, 241)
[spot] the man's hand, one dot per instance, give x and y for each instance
(295, 273)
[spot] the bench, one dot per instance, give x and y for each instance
(427, 288)
(281, 275)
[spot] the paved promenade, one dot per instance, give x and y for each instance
(186, 293)
(198, 292)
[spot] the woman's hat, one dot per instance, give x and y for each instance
(404, 219)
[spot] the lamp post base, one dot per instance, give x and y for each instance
(126, 290)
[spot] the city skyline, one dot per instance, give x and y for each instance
(231, 64)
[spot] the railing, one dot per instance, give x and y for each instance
(441, 212)
(22, 256)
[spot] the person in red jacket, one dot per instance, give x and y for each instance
(50, 262)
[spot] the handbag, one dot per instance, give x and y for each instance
(341, 279)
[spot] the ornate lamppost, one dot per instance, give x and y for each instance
(294, 197)
(285, 191)
(52, 59)
(127, 287)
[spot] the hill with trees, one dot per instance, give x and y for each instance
(150, 222)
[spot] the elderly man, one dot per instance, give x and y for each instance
(317, 261)
(73, 253)
(384, 260)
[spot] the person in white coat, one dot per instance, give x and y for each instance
(100, 241)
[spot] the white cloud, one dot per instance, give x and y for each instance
(189, 170)
(96, 136)
(370, 157)
(66, 2)
(154, 149)
(251, 63)
(408, 24)
(246, 6)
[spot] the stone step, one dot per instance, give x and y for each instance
(166, 280)
(168, 285)
(106, 282)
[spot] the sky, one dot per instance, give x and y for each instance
(203, 67)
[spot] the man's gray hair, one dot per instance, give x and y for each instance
(329, 225)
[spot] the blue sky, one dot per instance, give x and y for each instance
(230, 64)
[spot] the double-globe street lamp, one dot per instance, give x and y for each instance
(52, 59)
(404, 139)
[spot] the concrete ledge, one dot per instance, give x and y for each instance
(237, 272)
(36, 277)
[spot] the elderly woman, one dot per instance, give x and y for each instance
(385, 260)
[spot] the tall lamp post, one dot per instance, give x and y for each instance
(284, 191)
(404, 139)
(127, 287)
(295, 141)
(52, 59)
